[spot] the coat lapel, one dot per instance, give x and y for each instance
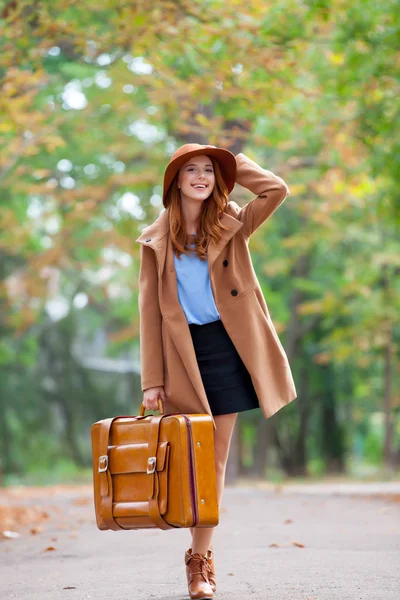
(157, 233)
(214, 250)
(155, 236)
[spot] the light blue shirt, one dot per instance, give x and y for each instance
(194, 289)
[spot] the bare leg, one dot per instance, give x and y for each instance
(202, 536)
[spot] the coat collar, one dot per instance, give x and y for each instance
(156, 236)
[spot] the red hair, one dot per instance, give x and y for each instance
(209, 225)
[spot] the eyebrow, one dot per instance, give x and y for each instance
(194, 165)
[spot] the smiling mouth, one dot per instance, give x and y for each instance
(200, 187)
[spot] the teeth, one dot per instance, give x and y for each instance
(201, 187)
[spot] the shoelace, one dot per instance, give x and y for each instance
(199, 561)
(210, 569)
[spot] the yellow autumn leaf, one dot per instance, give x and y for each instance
(360, 190)
(5, 127)
(53, 142)
(336, 59)
(297, 188)
(339, 187)
(40, 173)
(202, 120)
(310, 308)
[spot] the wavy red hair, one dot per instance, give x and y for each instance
(209, 226)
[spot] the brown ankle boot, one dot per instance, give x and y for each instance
(211, 570)
(197, 570)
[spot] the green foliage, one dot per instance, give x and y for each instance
(373, 448)
(316, 467)
(93, 103)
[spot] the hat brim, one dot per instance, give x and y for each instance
(226, 162)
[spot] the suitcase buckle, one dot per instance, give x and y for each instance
(103, 463)
(151, 465)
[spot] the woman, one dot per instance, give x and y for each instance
(207, 342)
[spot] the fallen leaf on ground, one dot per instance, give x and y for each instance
(82, 501)
(28, 492)
(49, 549)
(288, 521)
(383, 496)
(10, 534)
(69, 587)
(273, 546)
(298, 544)
(35, 530)
(16, 516)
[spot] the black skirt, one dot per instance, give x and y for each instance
(227, 382)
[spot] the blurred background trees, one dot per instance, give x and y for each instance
(93, 102)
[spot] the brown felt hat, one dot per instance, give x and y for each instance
(226, 161)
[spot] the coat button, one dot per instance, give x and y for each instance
(149, 240)
(225, 263)
(234, 292)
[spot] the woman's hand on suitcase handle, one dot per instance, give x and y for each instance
(151, 395)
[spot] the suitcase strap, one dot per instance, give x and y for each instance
(106, 487)
(154, 486)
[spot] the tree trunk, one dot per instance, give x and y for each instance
(289, 430)
(304, 412)
(332, 443)
(6, 462)
(72, 442)
(387, 356)
(260, 451)
(387, 378)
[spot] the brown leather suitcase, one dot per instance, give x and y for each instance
(154, 471)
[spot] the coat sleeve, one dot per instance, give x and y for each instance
(151, 353)
(271, 191)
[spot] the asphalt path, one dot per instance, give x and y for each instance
(297, 542)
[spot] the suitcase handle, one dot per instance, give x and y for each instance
(160, 408)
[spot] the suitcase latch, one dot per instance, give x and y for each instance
(151, 464)
(103, 463)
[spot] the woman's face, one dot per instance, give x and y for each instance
(196, 178)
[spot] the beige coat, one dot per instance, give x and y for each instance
(166, 350)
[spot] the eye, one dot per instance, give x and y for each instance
(209, 169)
